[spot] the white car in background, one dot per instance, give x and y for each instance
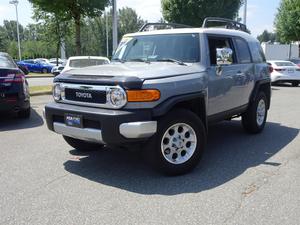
(55, 61)
(84, 61)
(284, 71)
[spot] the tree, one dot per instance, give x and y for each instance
(3, 40)
(129, 21)
(287, 21)
(267, 36)
(72, 9)
(94, 30)
(10, 27)
(193, 12)
(55, 27)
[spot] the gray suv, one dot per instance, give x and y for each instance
(162, 90)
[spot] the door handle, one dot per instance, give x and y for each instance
(240, 74)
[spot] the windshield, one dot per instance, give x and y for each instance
(79, 63)
(181, 47)
(7, 62)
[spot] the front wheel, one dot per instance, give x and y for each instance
(254, 119)
(179, 143)
(295, 83)
(82, 145)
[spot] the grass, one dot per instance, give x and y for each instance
(37, 89)
(40, 74)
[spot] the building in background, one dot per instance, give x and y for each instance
(280, 51)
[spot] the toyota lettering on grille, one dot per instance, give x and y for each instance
(83, 95)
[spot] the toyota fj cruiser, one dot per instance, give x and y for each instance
(162, 89)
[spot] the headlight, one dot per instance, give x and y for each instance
(116, 97)
(57, 91)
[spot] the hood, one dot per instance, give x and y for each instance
(128, 74)
(138, 69)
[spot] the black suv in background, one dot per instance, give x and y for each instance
(14, 90)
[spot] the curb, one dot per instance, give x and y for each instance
(41, 93)
(40, 76)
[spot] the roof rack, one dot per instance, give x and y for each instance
(146, 26)
(229, 24)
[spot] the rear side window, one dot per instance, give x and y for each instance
(284, 64)
(258, 55)
(6, 62)
(242, 51)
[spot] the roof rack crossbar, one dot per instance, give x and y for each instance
(230, 24)
(172, 25)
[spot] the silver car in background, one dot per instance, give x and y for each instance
(284, 71)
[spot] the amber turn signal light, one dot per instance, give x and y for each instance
(143, 95)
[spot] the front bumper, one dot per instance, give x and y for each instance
(112, 127)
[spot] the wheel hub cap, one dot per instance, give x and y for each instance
(261, 112)
(178, 143)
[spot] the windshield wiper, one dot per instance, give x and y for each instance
(172, 60)
(118, 60)
(138, 60)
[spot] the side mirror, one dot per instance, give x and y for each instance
(224, 56)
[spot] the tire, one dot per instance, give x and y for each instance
(295, 83)
(44, 70)
(254, 119)
(24, 114)
(175, 160)
(82, 145)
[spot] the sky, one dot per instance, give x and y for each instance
(260, 16)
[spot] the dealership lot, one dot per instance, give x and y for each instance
(242, 179)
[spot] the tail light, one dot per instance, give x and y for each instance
(14, 78)
(271, 69)
(19, 78)
(279, 70)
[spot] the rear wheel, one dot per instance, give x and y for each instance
(82, 145)
(295, 83)
(44, 70)
(179, 143)
(254, 119)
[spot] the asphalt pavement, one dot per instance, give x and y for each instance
(242, 178)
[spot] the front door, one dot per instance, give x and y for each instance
(223, 94)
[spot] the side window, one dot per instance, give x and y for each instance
(221, 51)
(257, 52)
(242, 51)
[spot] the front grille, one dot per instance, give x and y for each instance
(88, 96)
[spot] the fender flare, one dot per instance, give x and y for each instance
(164, 107)
(258, 86)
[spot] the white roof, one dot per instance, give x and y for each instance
(222, 31)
